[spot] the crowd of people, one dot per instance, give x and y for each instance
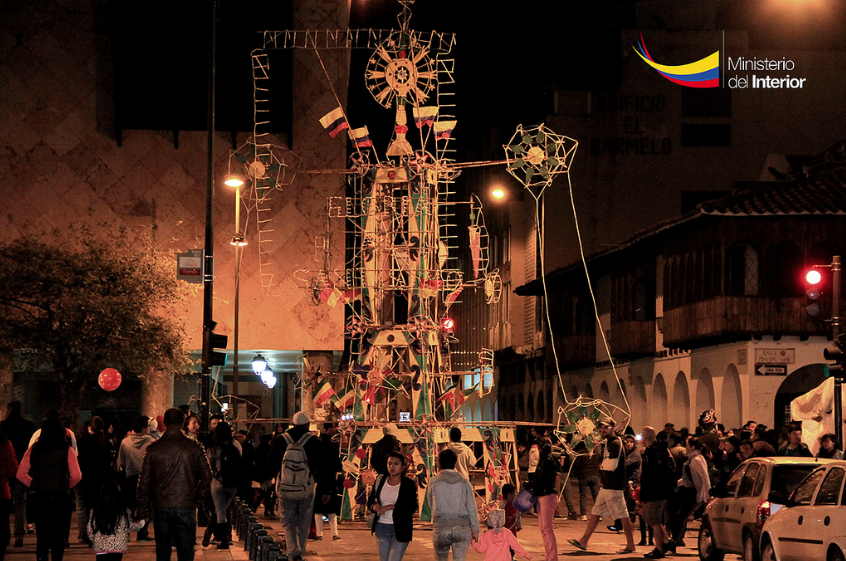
(166, 472)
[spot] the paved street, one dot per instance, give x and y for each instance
(356, 543)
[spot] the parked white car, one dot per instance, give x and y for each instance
(812, 526)
(733, 520)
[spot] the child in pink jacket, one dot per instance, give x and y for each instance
(495, 543)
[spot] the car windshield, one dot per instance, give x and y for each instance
(787, 477)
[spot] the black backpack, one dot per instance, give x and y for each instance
(230, 466)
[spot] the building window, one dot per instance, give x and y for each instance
(784, 266)
(742, 271)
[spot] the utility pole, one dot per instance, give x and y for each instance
(835, 333)
(208, 253)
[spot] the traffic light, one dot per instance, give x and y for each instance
(813, 293)
(211, 341)
(835, 353)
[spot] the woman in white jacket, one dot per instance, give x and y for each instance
(693, 491)
(454, 516)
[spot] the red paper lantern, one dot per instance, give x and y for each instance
(109, 379)
(361, 453)
(349, 483)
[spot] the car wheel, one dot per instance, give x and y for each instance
(750, 548)
(768, 553)
(836, 555)
(707, 547)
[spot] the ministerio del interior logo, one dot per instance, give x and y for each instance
(704, 73)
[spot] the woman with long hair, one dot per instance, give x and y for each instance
(225, 461)
(8, 469)
(50, 469)
(394, 502)
(543, 487)
(110, 524)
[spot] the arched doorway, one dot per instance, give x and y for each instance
(530, 409)
(540, 413)
(705, 392)
(800, 381)
(681, 401)
(604, 394)
(731, 400)
(520, 411)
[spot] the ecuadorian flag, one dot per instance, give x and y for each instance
(334, 122)
(704, 73)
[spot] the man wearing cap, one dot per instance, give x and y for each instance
(709, 436)
(295, 515)
(611, 501)
(382, 447)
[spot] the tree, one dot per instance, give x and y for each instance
(77, 303)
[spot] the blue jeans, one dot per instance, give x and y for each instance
(221, 497)
(389, 548)
(177, 526)
(455, 537)
(295, 517)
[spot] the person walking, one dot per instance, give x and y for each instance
(610, 501)
(175, 477)
(49, 469)
(795, 447)
(586, 471)
(95, 461)
(225, 463)
(543, 487)
(18, 430)
(331, 485)
(498, 543)
(380, 449)
(8, 471)
(130, 458)
(691, 492)
(298, 458)
(110, 523)
(465, 457)
(657, 481)
(393, 502)
(633, 465)
(454, 517)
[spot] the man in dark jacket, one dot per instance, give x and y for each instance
(175, 478)
(295, 513)
(657, 481)
(19, 431)
(379, 451)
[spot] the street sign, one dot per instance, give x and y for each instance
(775, 356)
(771, 370)
(189, 266)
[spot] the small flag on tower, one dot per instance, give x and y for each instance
(424, 115)
(443, 129)
(334, 122)
(361, 137)
(322, 392)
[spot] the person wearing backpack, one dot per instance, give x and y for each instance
(225, 461)
(298, 459)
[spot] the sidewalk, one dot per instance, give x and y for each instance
(357, 544)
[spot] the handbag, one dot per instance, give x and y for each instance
(524, 501)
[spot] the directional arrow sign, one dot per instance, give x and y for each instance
(771, 369)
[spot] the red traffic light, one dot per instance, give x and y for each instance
(813, 277)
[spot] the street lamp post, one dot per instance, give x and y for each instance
(239, 241)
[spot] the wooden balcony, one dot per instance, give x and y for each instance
(632, 339)
(575, 351)
(733, 317)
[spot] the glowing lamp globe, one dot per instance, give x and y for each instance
(109, 379)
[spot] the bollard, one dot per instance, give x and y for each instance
(245, 527)
(240, 513)
(261, 544)
(251, 535)
(251, 522)
(274, 553)
(254, 544)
